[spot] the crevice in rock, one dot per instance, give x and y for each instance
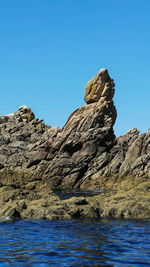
(81, 174)
(33, 163)
(72, 148)
(1, 166)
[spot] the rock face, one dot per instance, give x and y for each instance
(31, 150)
(100, 87)
(87, 133)
(128, 159)
(19, 132)
(85, 154)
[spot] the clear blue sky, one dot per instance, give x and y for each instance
(49, 49)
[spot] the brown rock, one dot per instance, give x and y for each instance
(34, 158)
(100, 87)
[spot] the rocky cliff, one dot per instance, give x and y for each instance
(85, 154)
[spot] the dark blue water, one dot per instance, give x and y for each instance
(75, 243)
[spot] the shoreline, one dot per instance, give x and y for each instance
(37, 201)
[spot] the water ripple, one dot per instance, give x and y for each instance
(74, 243)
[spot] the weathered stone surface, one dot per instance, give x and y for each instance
(85, 154)
(31, 150)
(100, 87)
(38, 201)
(77, 144)
(129, 159)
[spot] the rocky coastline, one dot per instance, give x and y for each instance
(85, 154)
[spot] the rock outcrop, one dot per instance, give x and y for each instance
(35, 200)
(31, 150)
(84, 154)
(100, 87)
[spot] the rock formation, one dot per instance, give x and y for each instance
(30, 149)
(84, 154)
(100, 87)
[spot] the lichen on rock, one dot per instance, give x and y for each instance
(100, 87)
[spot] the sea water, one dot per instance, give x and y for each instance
(75, 243)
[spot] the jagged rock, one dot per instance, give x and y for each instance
(34, 158)
(100, 87)
(77, 144)
(30, 149)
